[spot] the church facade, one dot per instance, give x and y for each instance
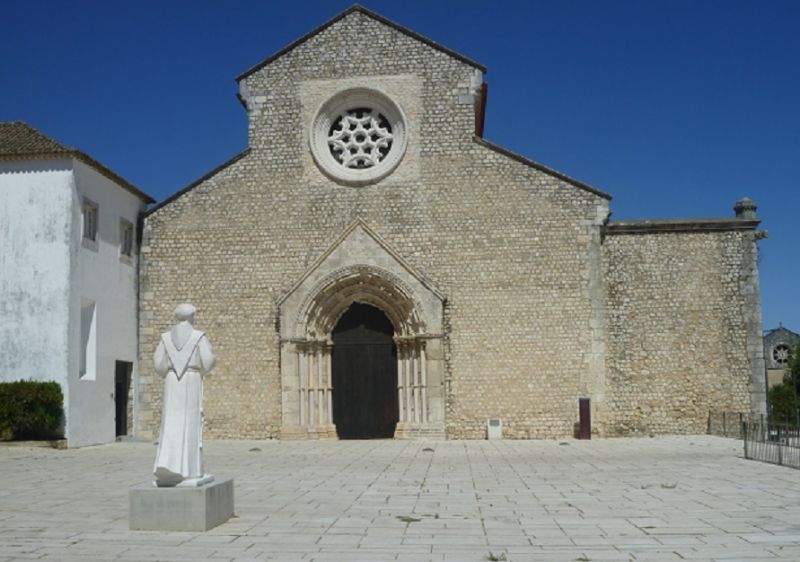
(370, 266)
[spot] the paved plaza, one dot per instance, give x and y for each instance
(670, 498)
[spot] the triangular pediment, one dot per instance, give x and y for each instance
(359, 244)
(360, 10)
(361, 250)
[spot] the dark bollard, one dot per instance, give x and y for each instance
(585, 417)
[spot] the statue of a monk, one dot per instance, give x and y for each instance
(182, 357)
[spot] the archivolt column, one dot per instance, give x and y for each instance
(413, 389)
(308, 407)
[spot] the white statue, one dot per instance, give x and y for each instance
(182, 357)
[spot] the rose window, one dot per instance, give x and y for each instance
(358, 136)
(781, 354)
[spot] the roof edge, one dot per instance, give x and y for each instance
(198, 181)
(541, 167)
(680, 225)
(781, 328)
(89, 161)
(361, 9)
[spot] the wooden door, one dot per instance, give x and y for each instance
(122, 382)
(364, 374)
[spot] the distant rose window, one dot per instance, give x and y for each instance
(780, 353)
(358, 137)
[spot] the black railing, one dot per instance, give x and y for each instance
(772, 442)
(729, 424)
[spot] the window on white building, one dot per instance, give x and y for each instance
(90, 217)
(88, 352)
(125, 238)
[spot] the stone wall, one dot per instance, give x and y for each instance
(677, 327)
(506, 243)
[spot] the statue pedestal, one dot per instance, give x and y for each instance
(180, 509)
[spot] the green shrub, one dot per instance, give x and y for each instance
(794, 362)
(783, 403)
(30, 410)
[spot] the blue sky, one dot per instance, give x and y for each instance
(677, 108)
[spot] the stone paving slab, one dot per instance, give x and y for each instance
(672, 498)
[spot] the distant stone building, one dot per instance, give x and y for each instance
(777, 343)
(68, 279)
(371, 266)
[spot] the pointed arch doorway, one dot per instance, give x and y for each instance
(359, 269)
(364, 372)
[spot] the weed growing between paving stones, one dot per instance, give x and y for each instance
(492, 557)
(665, 485)
(408, 519)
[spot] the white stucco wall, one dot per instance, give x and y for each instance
(110, 282)
(46, 274)
(35, 231)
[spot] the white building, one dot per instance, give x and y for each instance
(68, 279)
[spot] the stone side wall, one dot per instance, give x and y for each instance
(677, 329)
(507, 244)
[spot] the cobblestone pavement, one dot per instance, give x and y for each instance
(673, 498)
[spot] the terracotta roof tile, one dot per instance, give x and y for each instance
(18, 140)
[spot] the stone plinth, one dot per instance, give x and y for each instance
(180, 509)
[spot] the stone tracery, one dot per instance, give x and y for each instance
(781, 354)
(360, 138)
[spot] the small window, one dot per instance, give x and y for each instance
(780, 354)
(125, 238)
(87, 369)
(90, 216)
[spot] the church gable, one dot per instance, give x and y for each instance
(436, 91)
(366, 14)
(440, 94)
(424, 108)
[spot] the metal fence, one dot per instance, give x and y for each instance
(729, 424)
(772, 442)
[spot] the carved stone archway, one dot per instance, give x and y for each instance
(359, 267)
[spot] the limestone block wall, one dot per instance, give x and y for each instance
(519, 303)
(510, 252)
(680, 325)
(513, 249)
